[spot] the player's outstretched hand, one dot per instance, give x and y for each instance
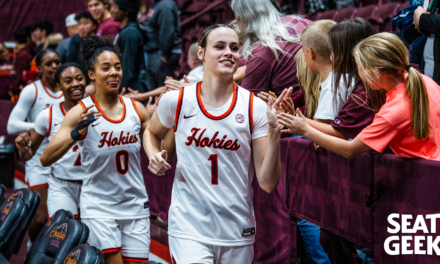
(272, 118)
(295, 125)
(158, 163)
(84, 115)
(265, 96)
(152, 107)
(23, 141)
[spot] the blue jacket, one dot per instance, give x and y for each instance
(409, 34)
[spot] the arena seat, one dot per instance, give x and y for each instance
(345, 13)
(367, 11)
(85, 254)
(11, 215)
(58, 216)
(2, 193)
(57, 243)
(330, 14)
(32, 198)
(382, 19)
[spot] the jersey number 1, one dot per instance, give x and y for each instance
(122, 154)
(214, 169)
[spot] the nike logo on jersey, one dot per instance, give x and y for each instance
(115, 141)
(186, 117)
(213, 142)
(93, 125)
(56, 124)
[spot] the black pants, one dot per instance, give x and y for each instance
(158, 70)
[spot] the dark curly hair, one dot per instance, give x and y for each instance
(93, 46)
(62, 68)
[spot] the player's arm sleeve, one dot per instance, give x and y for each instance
(16, 122)
(42, 122)
(260, 126)
(379, 134)
(166, 110)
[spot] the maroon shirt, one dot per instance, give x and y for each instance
(265, 73)
(354, 116)
(108, 27)
(23, 60)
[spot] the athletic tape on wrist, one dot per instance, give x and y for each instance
(75, 135)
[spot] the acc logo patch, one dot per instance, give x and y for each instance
(59, 231)
(133, 118)
(239, 118)
(73, 257)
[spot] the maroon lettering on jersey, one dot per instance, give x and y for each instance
(214, 142)
(111, 141)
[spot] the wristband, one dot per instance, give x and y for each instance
(75, 135)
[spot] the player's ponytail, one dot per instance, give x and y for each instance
(385, 53)
(93, 46)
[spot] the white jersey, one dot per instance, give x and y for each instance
(47, 124)
(44, 98)
(212, 191)
(113, 186)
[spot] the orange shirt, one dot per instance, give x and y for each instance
(392, 125)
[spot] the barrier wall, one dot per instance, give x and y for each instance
(334, 193)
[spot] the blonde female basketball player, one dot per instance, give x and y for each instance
(223, 134)
(114, 202)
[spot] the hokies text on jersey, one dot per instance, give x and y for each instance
(213, 142)
(115, 141)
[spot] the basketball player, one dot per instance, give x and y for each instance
(114, 203)
(33, 99)
(65, 180)
(223, 134)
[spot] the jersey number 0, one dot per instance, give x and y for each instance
(122, 155)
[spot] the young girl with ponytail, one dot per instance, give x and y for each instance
(408, 121)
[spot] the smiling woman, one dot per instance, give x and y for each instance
(113, 192)
(223, 134)
(66, 174)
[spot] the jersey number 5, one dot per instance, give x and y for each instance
(122, 154)
(214, 169)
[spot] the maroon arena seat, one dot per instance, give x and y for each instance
(382, 19)
(330, 14)
(367, 11)
(345, 13)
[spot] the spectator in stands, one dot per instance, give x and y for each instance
(407, 122)
(131, 42)
(310, 85)
(72, 29)
(429, 25)
(6, 67)
(87, 26)
(100, 10)
(270, 45)
(194, 76)
(53, 40)
(24, 53)
(163, 46)
(40, 33)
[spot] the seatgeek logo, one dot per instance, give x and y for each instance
(412, 235)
